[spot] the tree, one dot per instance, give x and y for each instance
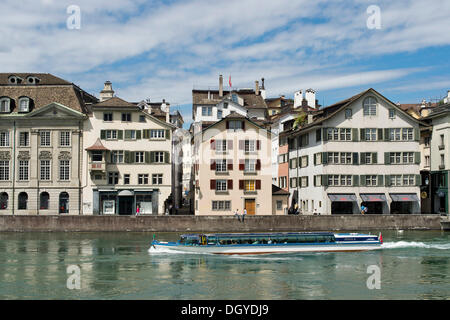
(300, 120)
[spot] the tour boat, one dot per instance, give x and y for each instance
(269, 243)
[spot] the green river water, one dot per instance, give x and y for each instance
(412, 265)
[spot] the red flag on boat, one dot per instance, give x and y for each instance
(380, 238)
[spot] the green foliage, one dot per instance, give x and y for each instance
(300, 120)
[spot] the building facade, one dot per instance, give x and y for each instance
(360, 151)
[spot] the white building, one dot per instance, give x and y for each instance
(362, 150)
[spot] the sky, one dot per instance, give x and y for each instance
(162, 49)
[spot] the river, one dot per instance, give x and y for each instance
(411, 265)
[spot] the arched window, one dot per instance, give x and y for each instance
(63, 202)
(370, 106)
(23, 201)
(3, 201)
(24, 104)
(43, 201)
(5, 104)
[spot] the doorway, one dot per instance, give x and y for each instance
(126, 205)
(250, 206)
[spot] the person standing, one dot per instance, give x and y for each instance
(137, 210)
(236, 214)
(244, 214)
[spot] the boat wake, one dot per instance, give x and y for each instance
(413, 244)
(154, 251)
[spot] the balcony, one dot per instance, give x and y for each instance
(441, 147)
(441, 166)
(97, 166)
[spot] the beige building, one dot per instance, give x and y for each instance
(41, 144)
(128, 167)
(232, 168)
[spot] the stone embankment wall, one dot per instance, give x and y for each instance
(217, 223)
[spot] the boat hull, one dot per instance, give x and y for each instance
(266, 249)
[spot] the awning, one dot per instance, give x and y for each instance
(342, 197)
(373, 197)
(404, 197)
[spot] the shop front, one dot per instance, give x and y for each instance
(407, 203)
(126, 202)
(375, 203)
(343, 203)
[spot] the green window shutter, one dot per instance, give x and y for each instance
(387, 180)
(374, 157)
(362, 158)
(380, 134)
(102, 134)
(355, 180)
(416, 134)
(354, 134)
(417, 157)
(324, 157)
(314, 159)
(120, 134)
(387, 134)
(324, 134)
(152, 156)
(138, 134)
(362, 180)
(167, 134)
(387, 158)
(167, 157)
(307, 160)
(132, 157)
(147, 157)
(127, 157)
(418, 180)
(380, 180)
(325, 180)
(318, 135)
(362, 133)
(355, 158)
(127, 134)
(314, 181)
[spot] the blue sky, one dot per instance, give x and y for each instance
(161, 49)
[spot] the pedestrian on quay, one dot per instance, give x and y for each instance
(237, 215)
(363, 209)
(244, 214)
(137, 210)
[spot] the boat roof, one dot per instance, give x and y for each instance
(267, 234)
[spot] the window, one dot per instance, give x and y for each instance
(391, 113)
(4, 138)
(111, 134)
(371, 134)
(64, 139)
(348, 113)
(371, 180)
(23, 170)
(340, 158)
(282, 158)
(219, 114)
(408, 157)
(44, 200)
(139, 156)
(303, 182)
(427, 161)
(407, 134)
(45, 170)
(367, 157)
(303, 161)
(126, 178)
(4, 105)
(4, 170)
(108, 117)
(206, 111)
(97, 156)
(221, 205)
(442, 161)
(225, 105)
(249, 185)
(24, 105)
(64, 170)
(234, 98)
(221, 145)
(117, 156)
(339, 134)
(157, 178)
(45, 138)
(130, 134)
(63, 202)
(318, 157)
(221, 185)
(394, 134)
(401, 157)
(159, 157)
(113, 178)
(235, 125)
(24, 139)
(4, 201)
(142, 119)
(339, 180)
(23, 201)
(250, 165)
(442, 140)
(370, 106)
(250, 145)
(282, 182)
(318, 180)
(221, 165)
(142, 178)
(157, 133)
(279, 204)
(126, 117)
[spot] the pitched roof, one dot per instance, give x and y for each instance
(251, 100)
(97, 146)
(46, 79)
(115, 102)
(278, 191)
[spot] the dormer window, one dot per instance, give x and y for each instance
(5, 105)
(14, 80)
(24, 104)
(32, 80)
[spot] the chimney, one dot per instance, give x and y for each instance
(107, 92)
(257, 87)
(447, 99)
(424, 103)
(220, 86)
(298, 97)
(264, 88)
(310, 96)
(310, 118)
